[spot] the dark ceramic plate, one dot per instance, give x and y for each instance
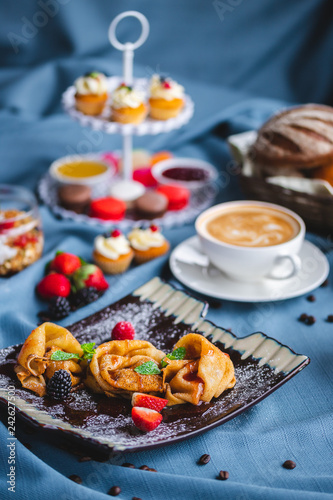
(160, 314)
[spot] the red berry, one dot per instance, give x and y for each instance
(115, 233)
(124, 330)
(4, 226)
(54, 285)
(166, 85)
(145, 419)
(65, 263)
(154, 228)
(148, 401)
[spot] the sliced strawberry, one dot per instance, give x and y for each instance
(145, 419)
(124, 330)
(54, 285)
(147, 401)
(65, 263)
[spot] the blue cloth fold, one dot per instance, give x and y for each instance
(240, 62)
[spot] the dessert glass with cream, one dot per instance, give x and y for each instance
(249, 240)
(21, 235)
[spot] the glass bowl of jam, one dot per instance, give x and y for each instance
(187, 172)
(21, 235)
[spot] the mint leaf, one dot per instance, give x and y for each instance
(178, 353)
(63, 356)
(88, 350)
(148, 368)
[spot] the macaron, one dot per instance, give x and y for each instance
(127, 191)
(145, 176)
(74, 197)
(108, 208)
(178, 197)
(151, 205)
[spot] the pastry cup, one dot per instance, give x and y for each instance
(161, 109)
(110, 266)
(129, 115)
(142, 256)
(90, 104)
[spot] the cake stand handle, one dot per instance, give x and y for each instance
(128, 47)
(127, 172)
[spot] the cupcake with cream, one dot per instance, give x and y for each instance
(166, 98)
(147, 244)
(113, 254)
(91, 93)
(128, 105)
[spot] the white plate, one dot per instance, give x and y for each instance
(213, 283)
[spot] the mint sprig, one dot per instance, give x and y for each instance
(148, 368)
(178, 353)
(88, 352)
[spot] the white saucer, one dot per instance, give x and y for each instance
(213, 283)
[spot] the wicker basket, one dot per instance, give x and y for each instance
(316, 211)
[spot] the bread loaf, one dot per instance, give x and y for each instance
(299, 137)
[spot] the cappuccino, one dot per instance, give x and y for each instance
(252, 226)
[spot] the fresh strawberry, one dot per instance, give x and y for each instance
(145, 419)
(65, 263)
(89, 275)
(147, 401)
(54, 285)
(124, 330)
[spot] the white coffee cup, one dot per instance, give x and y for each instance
(252, 263)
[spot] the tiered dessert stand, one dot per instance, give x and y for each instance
(148, 126)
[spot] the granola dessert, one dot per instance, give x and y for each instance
(21, 241)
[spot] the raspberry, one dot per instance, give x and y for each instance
(115, 233)
(59, 385)
(153, 228)
(124, 330)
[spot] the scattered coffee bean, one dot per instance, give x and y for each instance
(329, 318)
(28, 446)
(144, 467)
(85, 459)
(204, 459)
(303, 317)
(223, 475)
(128, 465)
(289, 464)
(324, 283)
(136, 498)
(311, 298)
(310, 320)
(215, 304)
(152, 470)
(114, 491)
(75, 478)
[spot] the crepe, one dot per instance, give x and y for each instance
(112, 368)
(205, 372)
(34, 365)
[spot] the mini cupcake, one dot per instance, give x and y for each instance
(166, 98)
(147, 244)
(128, 105)
(91, 93)
(113, 253)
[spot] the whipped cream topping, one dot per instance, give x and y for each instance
(166, 89)
(126, 97)
(6, 253)
(143, 239)
(94, 83)
(112, 247)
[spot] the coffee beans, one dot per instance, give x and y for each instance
(114, 491)
(204, 459)
(329, 318)
(223, 475)
(311, 298)
(85, 459)
(308, 320)
(128, 465)
(75, 478)
(136, 498)
(289, 464)
(144, 467)
(325, 283)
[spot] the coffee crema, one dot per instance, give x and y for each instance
(253, 227)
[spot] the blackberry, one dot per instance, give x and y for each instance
(59, 307)
(85, 296)
(59, 385)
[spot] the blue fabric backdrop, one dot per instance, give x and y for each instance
(240, 61)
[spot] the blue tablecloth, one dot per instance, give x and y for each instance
(240, 61)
